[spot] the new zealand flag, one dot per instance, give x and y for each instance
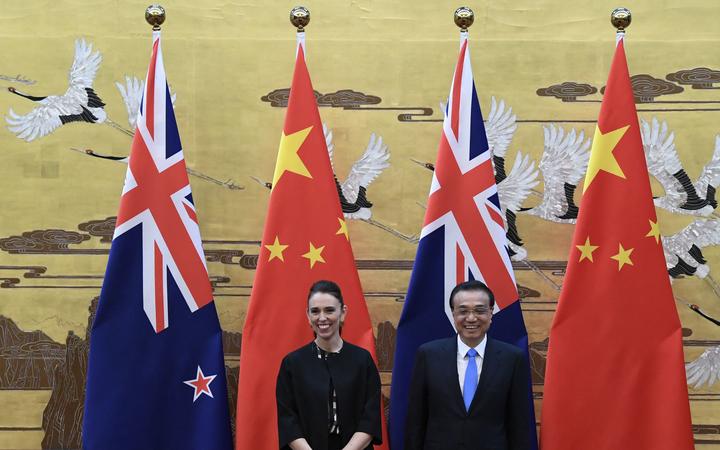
(463, 237)
(156, 375)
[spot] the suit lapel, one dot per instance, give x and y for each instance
(489, 367)
(452, 373)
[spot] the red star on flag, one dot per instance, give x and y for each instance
(201, 384)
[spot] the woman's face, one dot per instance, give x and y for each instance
(325, 315)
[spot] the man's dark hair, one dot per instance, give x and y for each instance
(472, 285)
(326, 287)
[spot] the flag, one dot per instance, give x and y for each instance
(615, 377)
(305, 239)
(463, 237)
(156, 375)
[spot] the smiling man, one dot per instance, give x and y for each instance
(469, 391)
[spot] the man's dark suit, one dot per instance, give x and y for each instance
(499, 414)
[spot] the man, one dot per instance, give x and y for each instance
(469, 391)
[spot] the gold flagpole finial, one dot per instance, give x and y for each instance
(300, 17)
(464, 17)
(155, 16)
(620, 18)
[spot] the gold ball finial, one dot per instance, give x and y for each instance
(300, 17)
(155, 16)
(620, 18)
(464, 17)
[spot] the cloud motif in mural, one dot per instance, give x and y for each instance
(647, 88)
(104, 229)
(697, 78)
(347, 98)
(43, 242)
(567, 91)
(344, 98)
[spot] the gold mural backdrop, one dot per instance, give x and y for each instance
(378, 67)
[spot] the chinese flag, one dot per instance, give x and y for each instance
(615, 376)
(305, 240)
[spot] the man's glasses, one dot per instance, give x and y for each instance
(477, 312)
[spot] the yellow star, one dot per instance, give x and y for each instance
(288, 159)
(623, 256)
(586, 250)
(314, 255)
(343, 229)
(276, 250)
(601, 155)
(654, 231)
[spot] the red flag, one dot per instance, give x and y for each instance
(615, 376)
(305, 240)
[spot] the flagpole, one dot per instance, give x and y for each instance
(176, 365)
(300, 18)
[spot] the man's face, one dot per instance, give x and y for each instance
(472, 314)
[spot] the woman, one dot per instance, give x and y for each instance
(328, 392)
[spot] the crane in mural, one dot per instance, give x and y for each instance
(563, 164)
(513, 187)
(683, 250)
(353, 190)
(706, 368)
(682, 196)
(79, 103)
(131, 92)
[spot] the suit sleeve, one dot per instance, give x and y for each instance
(417, 412)
(370, 420)
(287, 412)
(519, 404)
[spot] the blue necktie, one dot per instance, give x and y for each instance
(471, 379)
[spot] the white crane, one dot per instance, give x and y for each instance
(353, 191)
(682, 196)
(79, 103)
(131, 93)
(705, 369)
(563, 164)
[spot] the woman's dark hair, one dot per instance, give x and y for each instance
(326, 287)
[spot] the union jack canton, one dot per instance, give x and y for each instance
(157, 196)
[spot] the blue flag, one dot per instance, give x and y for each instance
(463, 237)
(156, 374)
